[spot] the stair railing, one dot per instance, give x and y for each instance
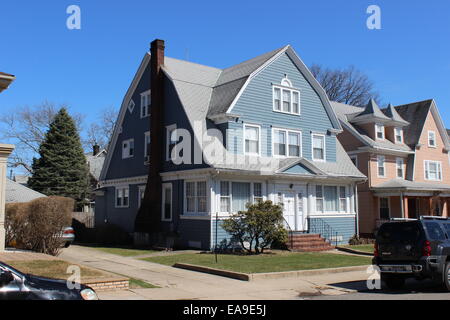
(319, 226)
(290, 234)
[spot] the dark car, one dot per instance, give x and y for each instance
(417, 249)
(14, 285)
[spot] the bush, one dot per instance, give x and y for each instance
(355, 241)
(36, 225)
(259, 226)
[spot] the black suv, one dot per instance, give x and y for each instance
(413, 249)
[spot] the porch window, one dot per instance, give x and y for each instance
(167, 202)
(433, 170)
(319, 199)
(196, 197)
(342, 199)
(252, 138)
(400, 168)
(257, 193)
(201, 196)
(384, 209)
(122, 197)
(225, 201)
(190, 196)
(240, 192)
(432, 139)
(398, 135)
(381, 166)
(330, 194)
(234, 196)
(318, 142)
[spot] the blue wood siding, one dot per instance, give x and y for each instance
(195, 230)
(256, 107)
(344, 226)
(298, 169)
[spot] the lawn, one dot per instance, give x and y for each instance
(124, 252)
(55, 269)
(273, 262)
(363, 247)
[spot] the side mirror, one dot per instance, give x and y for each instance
(6, 277)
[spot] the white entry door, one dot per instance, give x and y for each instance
(293, 208)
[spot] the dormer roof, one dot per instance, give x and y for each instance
(371, 114)
(397, 120)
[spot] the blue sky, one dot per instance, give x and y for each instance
(91, 68)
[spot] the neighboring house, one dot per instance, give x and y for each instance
(18, 193)
(279, 143)
(21, 178)
(95, 160)
(404, 151)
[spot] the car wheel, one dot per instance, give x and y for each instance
(393, 282)
(67, 245)
(447, 276)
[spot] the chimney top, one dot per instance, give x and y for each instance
(95, 150)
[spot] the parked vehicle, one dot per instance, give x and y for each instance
(417, 249)
(15, 285)
(68, 236)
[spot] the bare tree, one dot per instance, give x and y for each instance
(26, 127)
(100, 132)
(349, 86)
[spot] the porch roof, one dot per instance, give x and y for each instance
(407, 185)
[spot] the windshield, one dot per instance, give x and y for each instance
(399, 232)
(6, 267)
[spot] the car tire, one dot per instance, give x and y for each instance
(446, 276)
(393, 282)
(67, 245)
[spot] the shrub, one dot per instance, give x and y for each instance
(355, 240)
(259, 226)
(36, 225)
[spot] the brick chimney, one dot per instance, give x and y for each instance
(149, 215)
(95, 150)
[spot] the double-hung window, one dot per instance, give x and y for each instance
(384, 209)
(252, 139)
(128, 149)
(146, 144)
(287, 143)
(145, 104)
(433, 170)
(286, 99)
(319, 199)
(400, 168)
(318, 146)
(379, 130)
(225, 196)
(331, 199)
(122, 197)
(234, 196)
(398, 135)
(342, 199)
(381, 164)
(196, 197)
(432, 139)
(257, 192)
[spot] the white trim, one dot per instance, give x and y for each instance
(116, 189)
(207, 195)
(382, 131)
(122, 181)
(324, 147)
(245, 125)
(379, 158)
(163, 201)
(291, 91)
(401, 134)
(426, 166)
(145, 95)
(435, 139)
(287, 132)
(128, 156)
(400, 164)
(131, 106)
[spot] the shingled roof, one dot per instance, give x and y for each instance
(416, 114)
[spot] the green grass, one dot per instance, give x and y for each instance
(139, 284)
(124, 252)
(273, 262)
(363, 247)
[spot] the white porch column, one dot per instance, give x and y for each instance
(5, 151)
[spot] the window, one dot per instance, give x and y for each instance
(379, 129)
(141, 194)
(398, 135)
(384, 209)
(435, 231)
(342, 199)
(196, 197)
(319, 199)
(234, 196)
(287, 143)
(145, 104)
(400, 168)
(146, 144)
(318, 144)
(433, 170)
(286, 99)
(432, 139)
(128, 149)
(354, 160)
(252, 139)
(381, 166)
(330, 196)
(122, 197)
(166, 202)
(131, 105)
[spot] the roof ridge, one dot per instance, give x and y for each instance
(408, 104)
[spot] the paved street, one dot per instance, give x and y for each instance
(183, 284)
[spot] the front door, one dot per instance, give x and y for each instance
(293, 208)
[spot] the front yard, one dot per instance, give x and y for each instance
(124, 252)
(271, 262)
(369, 248)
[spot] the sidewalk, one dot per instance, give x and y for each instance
(183, 284)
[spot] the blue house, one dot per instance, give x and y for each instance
(263, 129)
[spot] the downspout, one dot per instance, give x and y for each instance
(402, 205)
(356, 209)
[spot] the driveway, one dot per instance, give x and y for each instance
(183, 284)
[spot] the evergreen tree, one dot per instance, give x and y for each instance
(61, 169)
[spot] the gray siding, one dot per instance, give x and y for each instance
(256, 107)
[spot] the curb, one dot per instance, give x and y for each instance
(361, 253)
(265, 276)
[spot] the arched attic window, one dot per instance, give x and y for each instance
(286, 99)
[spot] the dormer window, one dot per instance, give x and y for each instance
(145, 104)
(286, 99)
(379, 131)
(398, 135)
(432, 139)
